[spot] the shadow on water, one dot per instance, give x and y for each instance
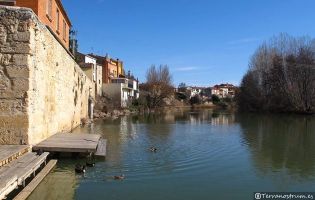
(280, 143)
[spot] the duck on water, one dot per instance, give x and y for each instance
(80, 169)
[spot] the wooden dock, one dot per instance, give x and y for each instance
(16, 172)
(26, 192)
(74, 143)
(9, 153)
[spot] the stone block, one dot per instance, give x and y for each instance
(23, 26)
(12, 107)
(17, 48)
(18, 71)
(4, 80)
(20, 59)
(14, 121)
(13, 135)
(3, 39)
(22, 37)
(20, 84)
(5, 59)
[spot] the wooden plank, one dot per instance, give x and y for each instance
(23, 159)
(11, 152)
(17, 172)
(14, 170)
(25, 193)
(32, 167)
(101, 148)
(81, 143)
(8, 190)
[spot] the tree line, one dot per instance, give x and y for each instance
(281, 76)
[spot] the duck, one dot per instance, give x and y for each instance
(39, 152)
(80, 169)
(90, 163)
(153, 149)
(120, 177)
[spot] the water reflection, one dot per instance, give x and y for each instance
(202, 154)
(281, 144)
(59, 184)
(222, 118)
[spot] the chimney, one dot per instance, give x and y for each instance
(128, 73)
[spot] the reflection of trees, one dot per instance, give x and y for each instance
(281, 143)
(157, 126)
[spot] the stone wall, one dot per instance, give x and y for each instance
(42, 89)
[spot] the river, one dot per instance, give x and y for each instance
(202, 154)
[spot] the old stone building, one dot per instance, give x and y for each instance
(43, 91)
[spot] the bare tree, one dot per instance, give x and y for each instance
(282, 74)
(158, 86)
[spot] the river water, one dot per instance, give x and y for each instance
(202, 154)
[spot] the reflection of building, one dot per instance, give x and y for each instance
(222, 119)
(224, 90)
(49, 12)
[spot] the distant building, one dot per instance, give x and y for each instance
(49, 12)
(93, 71)
(224, 90)
(99, 79)
(203, 92)
(112, 68)
(115, 83)
(121, 90)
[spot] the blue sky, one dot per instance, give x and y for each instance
(204, 42)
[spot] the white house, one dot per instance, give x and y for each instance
(92, 70)
(121, 90)
(223, 90)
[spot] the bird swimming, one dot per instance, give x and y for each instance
(80, 169)
(120, 177)
(153, 149)
(90, 163)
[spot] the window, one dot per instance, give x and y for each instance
(58, 19)
(48, 9)
(7, 2)
(64, 30)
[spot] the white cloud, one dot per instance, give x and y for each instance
(184, 69)
(243, 41)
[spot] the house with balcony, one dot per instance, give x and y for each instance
(122, 90)
(51, 13)
(117, 85)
